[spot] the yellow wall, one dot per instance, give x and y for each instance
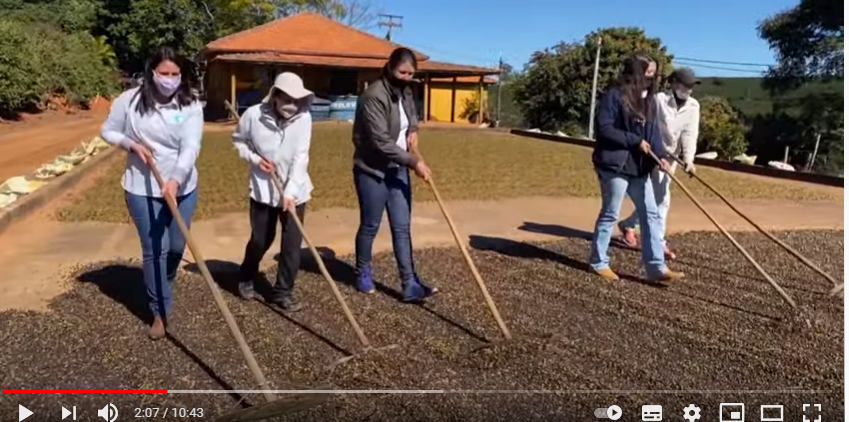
(440, 100)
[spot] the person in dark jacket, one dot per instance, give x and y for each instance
(385, 140)
(628, 133)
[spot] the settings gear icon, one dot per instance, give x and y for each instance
(691, 413)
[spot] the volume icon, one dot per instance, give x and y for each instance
(109, 413)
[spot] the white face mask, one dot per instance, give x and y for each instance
(287, 110)
(682, 94)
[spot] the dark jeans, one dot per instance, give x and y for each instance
(393, 194)
(263, 231)
(162, 244)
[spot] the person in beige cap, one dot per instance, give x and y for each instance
(679, 113)
(274, 137)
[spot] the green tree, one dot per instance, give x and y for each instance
(555, 90)
(720, 129)
(20, 86)
(808, 44)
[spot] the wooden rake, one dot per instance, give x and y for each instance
(279, 185)
(731, 239)
(274, 406)
(471, 264)
(836, 286)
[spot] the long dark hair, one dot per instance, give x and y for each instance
(398, 56)
(633, 82)
(147, 91)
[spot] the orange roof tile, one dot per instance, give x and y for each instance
(313, 39)
(310, 34)
(353, 62)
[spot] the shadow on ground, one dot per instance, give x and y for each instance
(124, 284)
(525, 250)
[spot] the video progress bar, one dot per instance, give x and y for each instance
(784, 391)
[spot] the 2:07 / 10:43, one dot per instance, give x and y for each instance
(175, 412)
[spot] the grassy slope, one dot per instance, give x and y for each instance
(468, 164)
(746, 94)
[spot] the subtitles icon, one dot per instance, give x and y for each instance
(652, 413)
(732, 412)
(109, 413)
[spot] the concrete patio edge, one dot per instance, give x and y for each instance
(30, 203)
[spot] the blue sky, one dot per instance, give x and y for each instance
(477, 31)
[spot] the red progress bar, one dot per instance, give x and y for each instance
(84, 391)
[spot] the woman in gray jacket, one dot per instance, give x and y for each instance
(384, 135)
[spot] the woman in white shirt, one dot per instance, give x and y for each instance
(274, 136)
(160, 123)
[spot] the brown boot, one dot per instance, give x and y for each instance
(607, 274)
(157, 329)
(669, 275)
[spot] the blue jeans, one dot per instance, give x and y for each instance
(162, 244)
(660, 185)
(614, 186)
(393, 194)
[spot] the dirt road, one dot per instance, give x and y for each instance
(26, 146)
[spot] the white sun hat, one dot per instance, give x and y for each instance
(291, 84)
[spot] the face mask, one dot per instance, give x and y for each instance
(167, 85)
(287, 110)
(398, 82)
(682, 94)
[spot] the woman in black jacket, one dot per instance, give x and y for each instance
(385, 136)
(628, 133)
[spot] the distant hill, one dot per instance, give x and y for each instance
(748, 96)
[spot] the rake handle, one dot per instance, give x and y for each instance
(725, 233)
(769, 235)
(471, 264)
(216, 292)
(364, 341)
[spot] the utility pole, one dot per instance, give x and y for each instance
(816, 148)
(595, 88)
(498, 100)
(389, 22)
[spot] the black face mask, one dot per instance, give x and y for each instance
(398, 82)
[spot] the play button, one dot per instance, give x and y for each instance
(23, 413)
(614, 412)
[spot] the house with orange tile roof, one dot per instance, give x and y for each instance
(336, 62)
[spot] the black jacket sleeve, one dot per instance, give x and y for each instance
(610, 111)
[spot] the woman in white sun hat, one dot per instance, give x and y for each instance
(274, 137)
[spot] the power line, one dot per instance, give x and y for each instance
(722, 62)
(730, 69)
